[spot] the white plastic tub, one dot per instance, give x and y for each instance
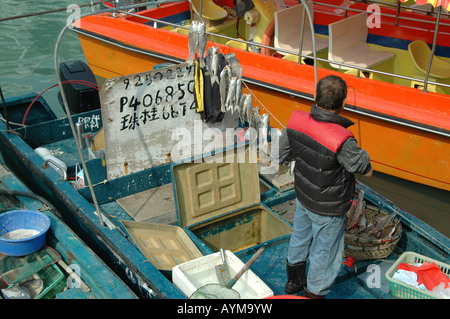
(191, 275)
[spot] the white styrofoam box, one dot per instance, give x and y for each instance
(193, 274)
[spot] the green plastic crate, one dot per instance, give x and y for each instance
(404, 291)
(54, 281)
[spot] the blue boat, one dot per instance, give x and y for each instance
(110, 235)
(74, 264)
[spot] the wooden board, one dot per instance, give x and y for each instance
(150, 119)
(154, 205)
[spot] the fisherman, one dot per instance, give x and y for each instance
(326, 156)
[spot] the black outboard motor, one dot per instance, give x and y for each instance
(80, 97)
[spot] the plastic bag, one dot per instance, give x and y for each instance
(428, 274)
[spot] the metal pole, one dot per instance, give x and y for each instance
(5, 109)
(433, 49)
(72, 125)
(313, 41)
(49, 11)
(302, 31)
(398, 12)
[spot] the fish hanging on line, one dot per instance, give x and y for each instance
(214, 69)
(248, 105)
(263, 132)
(223, 86)
(255, 119)
(238, 94)
(246, 100)
(241, 108)
(231, 95)
(202, 42)
(193, 40)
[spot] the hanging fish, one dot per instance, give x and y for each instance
(202, 42)
(193, 40)
(255, 118)
(223, 86)
(242, 105)
(263, 131)
(231, 95)
(238, 95)
(208, 59)
(248, 105)
(215, 65)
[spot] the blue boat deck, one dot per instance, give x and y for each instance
(116, 247)
(102, 282)
(351, 283)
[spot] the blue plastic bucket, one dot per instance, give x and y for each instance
(20, 242)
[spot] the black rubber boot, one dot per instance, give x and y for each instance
(296, 277)
(310, 295)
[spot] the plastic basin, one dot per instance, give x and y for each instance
(29, 229)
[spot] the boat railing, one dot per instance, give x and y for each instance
(399, 6)
(359, 69)
(58, 165)
(397, 16)
(252, 44)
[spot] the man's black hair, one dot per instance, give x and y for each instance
(331, 92)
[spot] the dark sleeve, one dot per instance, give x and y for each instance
(353, 158)
(285, 154)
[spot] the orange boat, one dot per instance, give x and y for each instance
(400, 108)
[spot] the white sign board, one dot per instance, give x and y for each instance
(146, 115)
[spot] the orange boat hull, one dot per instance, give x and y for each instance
(405, 131)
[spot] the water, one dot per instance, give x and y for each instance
(26, 64)
(27, 45)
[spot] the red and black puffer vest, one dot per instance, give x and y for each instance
(321, 184)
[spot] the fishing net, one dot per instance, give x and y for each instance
(218, 291)
(16, 269)
(215, 291)
(370, 242)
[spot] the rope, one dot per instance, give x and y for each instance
(69, 116)
(221, 52)
(243, 82)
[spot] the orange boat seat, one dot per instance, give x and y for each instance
(420, 54)
(236, 44)
(288, 24)
(211, 12)
(348, 44)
